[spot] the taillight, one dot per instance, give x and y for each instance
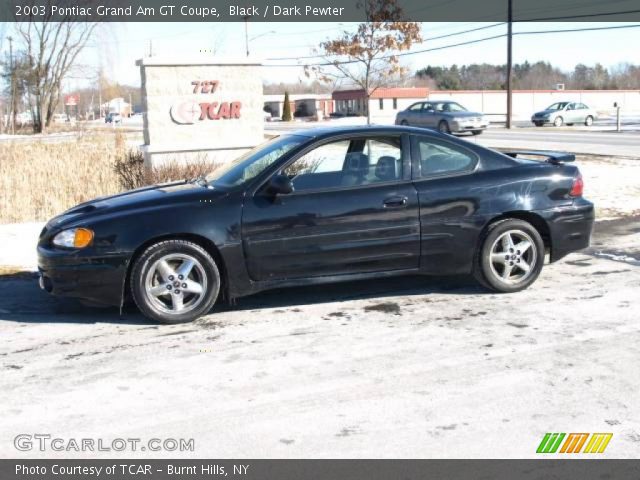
(578, 187)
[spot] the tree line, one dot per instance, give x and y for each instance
(530, 76)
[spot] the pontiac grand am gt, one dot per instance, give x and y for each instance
(322, 205)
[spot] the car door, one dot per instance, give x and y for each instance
(429, 116)
(448, 198)
(572, 113)
(414, 114)
(353, 210)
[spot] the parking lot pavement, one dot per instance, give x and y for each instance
(410, 367)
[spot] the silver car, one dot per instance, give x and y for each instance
(568, 113)
(445, 116)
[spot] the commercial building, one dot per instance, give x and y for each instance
(302, 105)
(383, 103)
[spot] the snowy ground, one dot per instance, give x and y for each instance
(411, 367)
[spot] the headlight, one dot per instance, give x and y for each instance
(74, 238)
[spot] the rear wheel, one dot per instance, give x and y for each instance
(443, 127)
(510, 256)
(588, 121)
(175, 281)
(558, 122)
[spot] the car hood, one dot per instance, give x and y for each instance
(545, 112)
(140, 198)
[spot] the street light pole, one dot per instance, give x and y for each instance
(246, 32)
(509, 62)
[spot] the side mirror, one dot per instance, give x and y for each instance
(279, 184)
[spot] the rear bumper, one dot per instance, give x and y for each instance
(96, 278)
(570, 227)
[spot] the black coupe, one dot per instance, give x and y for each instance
(321, 205)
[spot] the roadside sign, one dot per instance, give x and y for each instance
(71, 100)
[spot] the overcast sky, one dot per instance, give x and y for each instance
(119, 45)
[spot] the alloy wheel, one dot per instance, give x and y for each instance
(513, 257)
(176, 283)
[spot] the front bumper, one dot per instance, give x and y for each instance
(570, 227)
(98, 278)
(468, 126)
(535, 120)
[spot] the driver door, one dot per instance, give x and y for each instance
(353, 210)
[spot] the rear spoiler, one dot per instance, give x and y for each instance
(555, 158)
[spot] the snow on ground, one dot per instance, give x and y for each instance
(408, 367)
(18, 241)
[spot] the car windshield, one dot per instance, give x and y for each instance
(558, 106)
(449, 107)
(253, 162)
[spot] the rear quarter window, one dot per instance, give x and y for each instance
(438, 158)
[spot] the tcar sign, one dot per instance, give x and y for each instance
(191, 111)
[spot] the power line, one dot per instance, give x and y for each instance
(470, 42)
(426, 40)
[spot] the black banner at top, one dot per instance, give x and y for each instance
(315, 10)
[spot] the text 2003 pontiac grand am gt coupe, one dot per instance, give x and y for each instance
(317, 206)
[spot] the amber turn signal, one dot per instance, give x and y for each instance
(82, 238)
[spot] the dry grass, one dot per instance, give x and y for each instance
(39, 180)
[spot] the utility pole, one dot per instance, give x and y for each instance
(509, 61)
(12, 114)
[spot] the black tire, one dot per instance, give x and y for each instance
(539, 124)
(487, 271)
(443, 127)
(476, 132)
(588, 121)
(558, 122)
(404, 122)
(206, 276)
(569, 124)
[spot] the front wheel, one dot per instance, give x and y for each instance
(588, 121)
(175, 281)
(558, 122)
(510, 256)
(443, 127)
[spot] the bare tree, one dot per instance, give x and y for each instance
(52, 49)
(368, 57)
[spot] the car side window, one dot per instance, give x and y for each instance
(347, 163)
(440, 158)
(416, 107)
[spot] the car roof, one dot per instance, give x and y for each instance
(321, 132)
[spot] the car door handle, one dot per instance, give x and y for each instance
(396, 202)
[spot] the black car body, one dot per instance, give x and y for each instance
(390, 201)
